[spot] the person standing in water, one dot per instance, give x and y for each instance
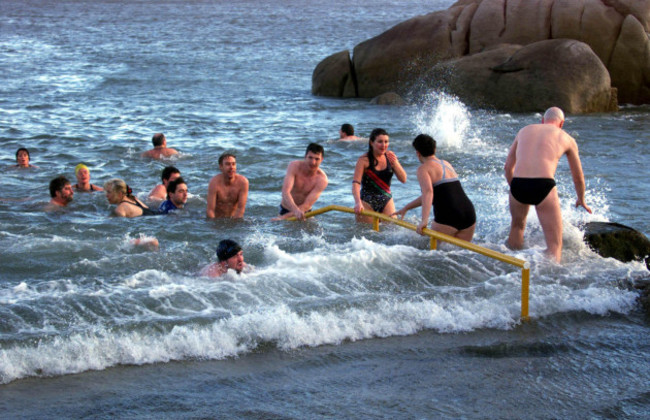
(453, 211)
(227, 191)
(372, 177)
(530, 172)
(303, 184)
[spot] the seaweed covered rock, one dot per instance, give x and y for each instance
(618, 241)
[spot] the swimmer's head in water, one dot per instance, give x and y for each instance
(425, 145)
(168, 172)
(57, 184)
(348, 129)
(227, 249)
(316, 149)
(79, 167)
(158, 139)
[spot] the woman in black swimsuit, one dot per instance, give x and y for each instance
(117, 192)
(372, 176)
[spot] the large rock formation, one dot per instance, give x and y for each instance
(616, 31)
(559, 72)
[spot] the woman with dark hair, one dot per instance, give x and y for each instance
(372, 177)
(117, 192)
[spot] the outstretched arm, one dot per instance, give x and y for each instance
(577, 174)
(509, 168)
(426, 198)
(412, 205)
(287, 187)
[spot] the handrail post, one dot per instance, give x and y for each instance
(433, 243)
(375, 223)
(525, 285)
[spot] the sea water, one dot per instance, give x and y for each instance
(334, 319)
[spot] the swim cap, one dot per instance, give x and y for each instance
(79, 167)
(227, 249)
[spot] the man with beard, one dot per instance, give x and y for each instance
(61, 192)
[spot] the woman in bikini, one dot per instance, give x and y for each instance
(372, 177)
(83, 180)
(117, 192)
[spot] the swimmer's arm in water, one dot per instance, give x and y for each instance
(287, 198)
(210, 209)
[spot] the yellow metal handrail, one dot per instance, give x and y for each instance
(435, 236)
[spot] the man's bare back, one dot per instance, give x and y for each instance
(160, 152)
(530, 171)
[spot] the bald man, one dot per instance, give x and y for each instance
(530, 172)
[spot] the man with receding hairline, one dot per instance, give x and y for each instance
(530, 172)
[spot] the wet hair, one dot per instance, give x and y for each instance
(57, 184)
(22, 149)
(171, 187)
(425, 144)
(348, 129)
(226, 155)
(373, 136)
(158, 139)
(118, 185)
(168, 172)
(316, 149)
(227, 249)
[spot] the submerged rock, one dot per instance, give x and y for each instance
(388, 98)
(618, 241)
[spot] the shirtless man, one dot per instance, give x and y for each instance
(346, 133)
(230, 255)
(160, 149)
(227, 191)
(61, 192)
(530, 171)
(159, 192)
(303, 184)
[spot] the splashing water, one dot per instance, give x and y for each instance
(444, 117)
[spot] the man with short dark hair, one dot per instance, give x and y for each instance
(159, 192)
(176, 196)
(230, 256)
(346, 133)
(227, 191)
(160, 149)
(303, 184)
(60, 191)
(530, 172)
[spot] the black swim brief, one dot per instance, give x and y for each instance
(531, 190)
(284, 211)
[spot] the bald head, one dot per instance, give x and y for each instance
(553, 114)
